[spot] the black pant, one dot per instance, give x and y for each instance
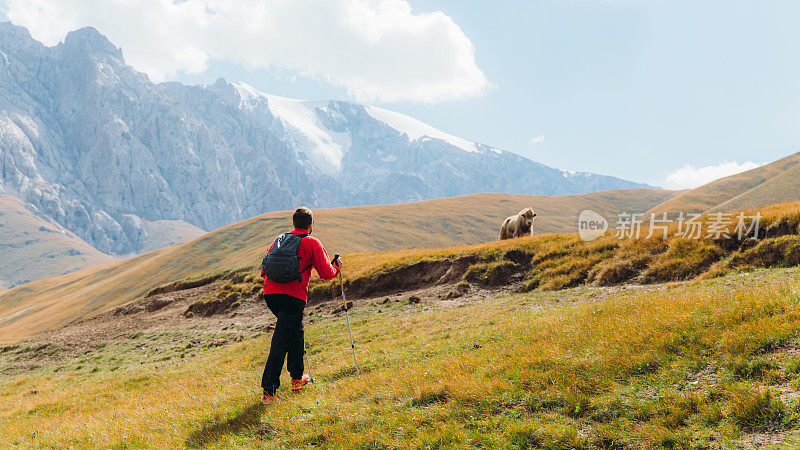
(287, 340)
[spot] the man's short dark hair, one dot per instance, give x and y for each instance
(302, 218)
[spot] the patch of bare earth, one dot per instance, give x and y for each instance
(158, 328)
(769, 440)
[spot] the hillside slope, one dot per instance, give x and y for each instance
(782, 188)
(763, 186)
(163, 233)
(33, 248)
(702, 364)
(47, 304)
(24, 237)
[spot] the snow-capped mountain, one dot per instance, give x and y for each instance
(304, 124)
(96, 147)
(373, 150)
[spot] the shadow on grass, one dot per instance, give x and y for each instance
(348, 371)
(214, 429)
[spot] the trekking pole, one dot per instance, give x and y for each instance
(305, 353)
(346, 313)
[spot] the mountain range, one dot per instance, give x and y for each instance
(96, 149)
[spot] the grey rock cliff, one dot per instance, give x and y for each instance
(95, 146)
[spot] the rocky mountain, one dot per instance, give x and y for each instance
(94, 146)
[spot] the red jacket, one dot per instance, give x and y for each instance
(310, 250)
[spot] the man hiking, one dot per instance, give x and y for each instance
(286, 270)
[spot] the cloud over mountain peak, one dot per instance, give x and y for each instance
(377, 50)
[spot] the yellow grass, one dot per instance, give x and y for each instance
(563, 260)
(49, 303)
(569, 369)
(775, 213)
(714, 195)
(781, 188)
(699, 364)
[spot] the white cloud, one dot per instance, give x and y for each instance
(375, 49)
(688, 176)
(538, 139)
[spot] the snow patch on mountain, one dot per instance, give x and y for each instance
(324, 147)
(247, 93)
(301, 127)
(416, 129)
(571, 174)
(300, 124)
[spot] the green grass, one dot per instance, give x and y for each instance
(151, 350)
(576, 368)
(490, 273)
(700, 364)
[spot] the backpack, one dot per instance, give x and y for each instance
(282, 263)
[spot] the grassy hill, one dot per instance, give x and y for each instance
(710, 363)
(782, 188)
(32, 248)
(163, 233)
(767, 185)
(50, 303)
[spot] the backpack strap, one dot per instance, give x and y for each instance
(309, 266)
(276, 241)
(300, 275)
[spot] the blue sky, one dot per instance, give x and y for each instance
(632, 88)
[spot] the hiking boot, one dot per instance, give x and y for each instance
(297, 385)
(268, 399)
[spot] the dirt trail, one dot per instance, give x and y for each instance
(153, 328)
(157, 329)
